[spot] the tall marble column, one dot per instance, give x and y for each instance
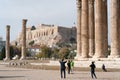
(23, 55)
(91, 28)
(119, 17)
(84, 30)
(78, 29)
(114, 32)
(98, 30)
(7, 47)
(105, 28)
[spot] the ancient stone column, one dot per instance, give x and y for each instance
(119, 17)
(91, 28)
(84, 30)
(105, 28)
(114, 32)
(7, 47)
(78, 29)
(23, 55)
(98, 30)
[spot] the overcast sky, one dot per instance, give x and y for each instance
(58, 12)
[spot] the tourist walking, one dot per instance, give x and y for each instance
(62, 68)
(69, 68)
(92, 66)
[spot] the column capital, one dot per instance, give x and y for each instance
(7, 26)
(24, 19)
(79, 4)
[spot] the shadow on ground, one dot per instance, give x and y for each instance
(13, 70)
(11, 76)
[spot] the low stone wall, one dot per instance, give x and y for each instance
(85, 63)
(111, 63)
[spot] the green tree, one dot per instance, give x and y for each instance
(40, 55)
(33, 28)
(12, 52)
(63, 53)
(72, 54)
(2, 54)
(46, 51)
(31, 42)
(72, 40)
(55, 53)
(28, 53)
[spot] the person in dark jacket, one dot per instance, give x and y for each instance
(69, 68)
(63, 68)
(92, 66)
(103, 68)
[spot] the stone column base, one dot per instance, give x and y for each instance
(83, 59)
(77, 57)
(85, 56)
(114, 56)
(99, 56)
(22, 58)
(91, 55)
(6, 59)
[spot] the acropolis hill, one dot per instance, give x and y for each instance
(48, 35)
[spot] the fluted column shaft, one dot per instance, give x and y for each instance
(105, 28)
(7, 47)
(98, 30)
(84, 28)
(78, 29)
(91, 28)
(114, 24)
(119, 17)
(23, 55)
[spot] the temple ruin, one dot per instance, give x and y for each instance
(92, 29)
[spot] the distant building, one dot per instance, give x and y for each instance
(49, 35)
(34, 50)
(2, 43)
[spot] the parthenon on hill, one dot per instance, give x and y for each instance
(50, 35)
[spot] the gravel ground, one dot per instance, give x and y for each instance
(12, 73)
